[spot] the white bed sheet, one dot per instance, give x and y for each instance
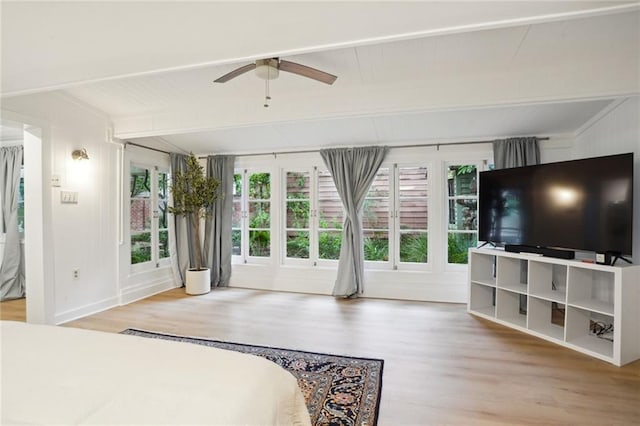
(59, 375)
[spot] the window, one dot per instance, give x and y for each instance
(375, 219)
(148, 215)
(314, 217)
(412, 220)
(251, 224)
(298, 211)
(163, 215)
(236, 221)
(330, 217)
(462, 198)
(21, 202)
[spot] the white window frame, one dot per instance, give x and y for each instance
(481, 165)
(313, 219)
(244, 257)
(155, 262)
(389, 263)
(398, 264)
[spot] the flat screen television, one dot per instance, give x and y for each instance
(578, 205)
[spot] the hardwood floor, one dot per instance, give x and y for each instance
(15, 310)
(442, 365)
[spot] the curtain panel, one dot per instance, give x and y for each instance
(217, 234)
(353, 171)
(12, 274)
(184, 255)
(516, 152)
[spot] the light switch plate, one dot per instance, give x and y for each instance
(69, 197)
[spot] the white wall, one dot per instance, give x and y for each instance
(83, 235)
(616, 131)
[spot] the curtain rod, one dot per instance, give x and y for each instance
(420, 145)
(146, 147)
(437, 145)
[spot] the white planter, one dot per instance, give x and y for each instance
(198, 282)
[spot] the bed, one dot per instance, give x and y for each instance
(59, 375)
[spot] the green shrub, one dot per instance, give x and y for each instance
(413, 248)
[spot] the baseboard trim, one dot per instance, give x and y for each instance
(90, 309)
(142, 291)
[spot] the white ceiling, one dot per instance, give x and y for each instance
(407, 71)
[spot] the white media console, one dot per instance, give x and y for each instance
(568, 302)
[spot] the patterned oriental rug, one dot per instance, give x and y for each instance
(339, 390)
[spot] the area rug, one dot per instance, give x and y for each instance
(339, 390)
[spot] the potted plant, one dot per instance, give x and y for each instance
(193, 196)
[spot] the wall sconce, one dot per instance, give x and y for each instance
(80, 154)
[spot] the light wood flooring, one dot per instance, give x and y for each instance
(442, 365)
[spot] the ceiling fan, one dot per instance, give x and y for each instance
(269, 69)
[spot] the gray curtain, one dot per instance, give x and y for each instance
(516, 152)
(353, 171)
(184, 256)
(12, 278)
(217, 229)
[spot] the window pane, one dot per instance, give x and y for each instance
(462, 180)
(330, 214)
(236, 242)
(140, 182)
(260, 186)
(413, 182)
(298, 214)
(259, 243)
(140, 247)
(329, 243)
(458, 246)
(237, 186)
(413, 247)
(463, 215)
(162, 185)
(236, 218)
(163, 214)
(330, 211)
(375, 213)
(21, 206)
(297, 185)
(163, 238)
(298, 244)
(140, 214)
(259, 214)
(413, 213)
(380, 185)
(376, 246)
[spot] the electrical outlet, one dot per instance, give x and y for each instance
(76, 274)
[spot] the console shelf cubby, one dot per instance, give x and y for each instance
(591, 308)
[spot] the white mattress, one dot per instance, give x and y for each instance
(59, 375)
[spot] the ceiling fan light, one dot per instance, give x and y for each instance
(267, 69)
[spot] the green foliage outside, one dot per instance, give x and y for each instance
(329, 244)
(298, 246)
(376, 248)
(458, 247)
(164, 244)
(260, 186)
(413, 248)
(140, 248)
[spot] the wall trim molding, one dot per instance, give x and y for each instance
(86, 310)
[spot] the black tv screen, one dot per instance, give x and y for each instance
(579, 205)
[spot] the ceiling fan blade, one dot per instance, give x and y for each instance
(235, 73)
(306, 71)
